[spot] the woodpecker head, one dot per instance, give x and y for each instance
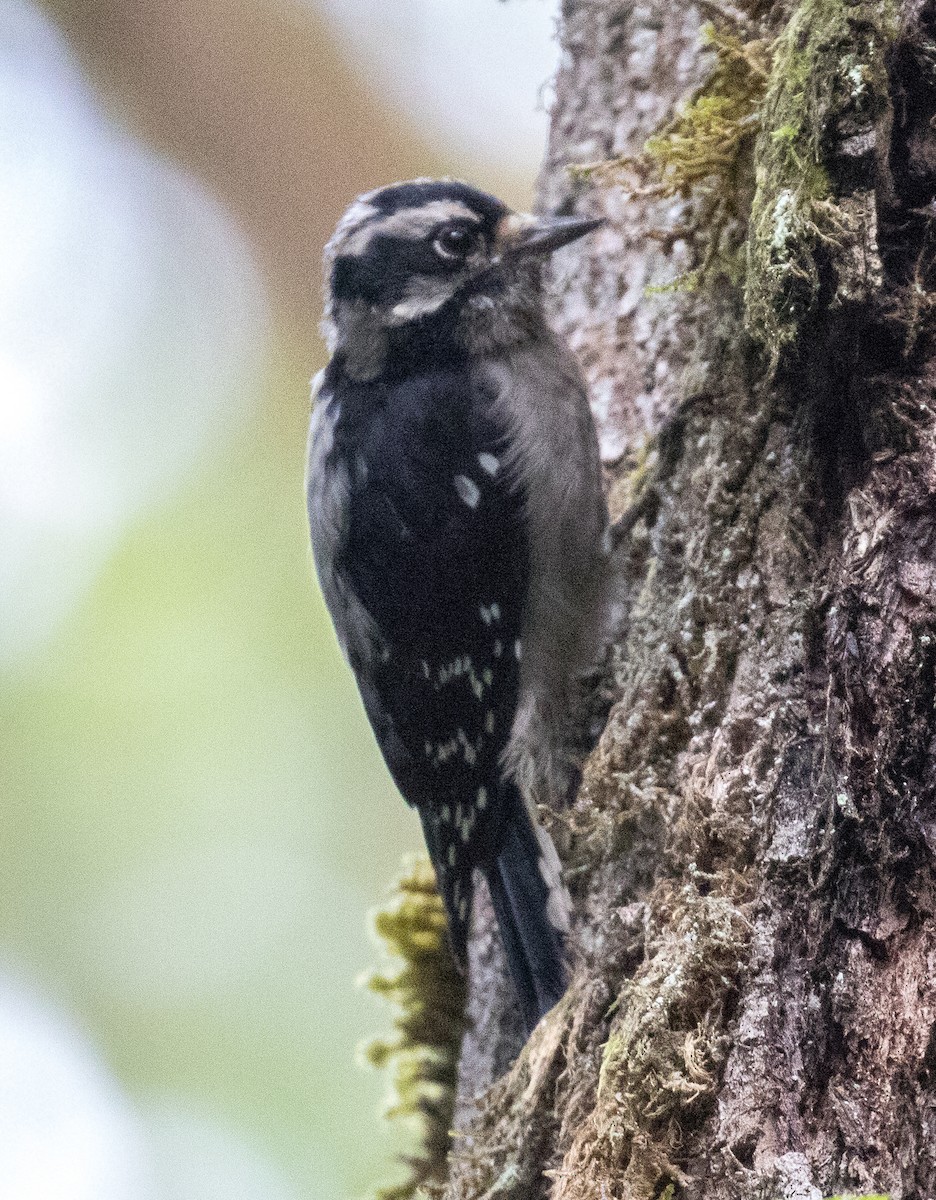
(404, 253)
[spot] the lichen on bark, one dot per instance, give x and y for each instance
(814, 196)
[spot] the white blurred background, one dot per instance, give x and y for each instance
(194, 821)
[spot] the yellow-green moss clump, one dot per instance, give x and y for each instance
(828, 75)
(706, 148)
(429, 994)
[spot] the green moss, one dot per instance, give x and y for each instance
(753, 146)
(429, 994)
(828, 73)
(689, 282)
(705, 150)
(661, 1063)
(630, 487)
(706, 144)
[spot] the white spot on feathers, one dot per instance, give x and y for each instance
(557, 911)
(468, 491)
(558, 904)
(489, 463)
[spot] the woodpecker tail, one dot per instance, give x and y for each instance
(532, 909)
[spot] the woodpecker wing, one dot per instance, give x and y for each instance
(431, 544)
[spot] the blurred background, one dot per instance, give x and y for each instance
(194, 820)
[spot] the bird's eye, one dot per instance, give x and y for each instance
(455, 241)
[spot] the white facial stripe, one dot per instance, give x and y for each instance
(510, 227)
(357, 215)
(407, 222)
(425, 294)
(359, 212)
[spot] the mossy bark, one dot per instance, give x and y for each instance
(753, 1010)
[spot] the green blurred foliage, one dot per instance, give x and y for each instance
(194, 820)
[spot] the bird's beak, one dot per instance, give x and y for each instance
(521, 233)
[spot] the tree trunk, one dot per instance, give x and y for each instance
(751, 852)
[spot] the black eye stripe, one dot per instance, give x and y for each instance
(383, 272)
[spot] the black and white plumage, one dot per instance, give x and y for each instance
(460, 536)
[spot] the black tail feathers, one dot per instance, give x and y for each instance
(532, 909)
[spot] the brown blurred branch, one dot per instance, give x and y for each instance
(256, 100)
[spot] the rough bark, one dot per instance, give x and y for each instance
(753, 1010)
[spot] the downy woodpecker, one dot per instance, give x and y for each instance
(460, 536)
